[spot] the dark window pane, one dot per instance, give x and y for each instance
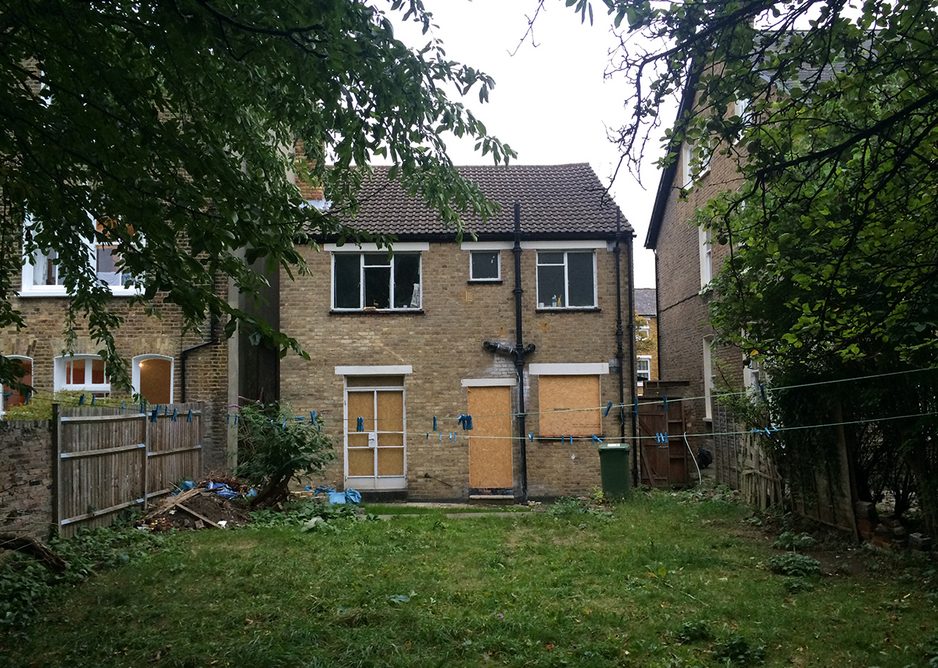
(550, 258)
(580, 275)
(377, 260)
(484, 265)
(550, 286)
(347, 281)
(407, 280)
(377, 287)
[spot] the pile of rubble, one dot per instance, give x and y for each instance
(214, 503)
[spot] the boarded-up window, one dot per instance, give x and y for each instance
(569, 406)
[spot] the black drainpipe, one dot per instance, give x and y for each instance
(184, 355)
(519, 355)
(628, 241)
(620, 353)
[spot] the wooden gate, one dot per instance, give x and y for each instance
(664, 458)
(108, 459)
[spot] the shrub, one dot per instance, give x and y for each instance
(735, 649)
(274, 448)
(789, 540)
(798, 565)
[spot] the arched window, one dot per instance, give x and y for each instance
(12, 397)
(153, 378)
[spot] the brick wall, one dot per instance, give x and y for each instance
(26, 478)
(444, 346)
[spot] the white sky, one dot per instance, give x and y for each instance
(550, 103)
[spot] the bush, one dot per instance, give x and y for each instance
(798, 565)
(736, 650)
(789, 540)
(274, 448)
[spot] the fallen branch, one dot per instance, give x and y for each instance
(34, 548)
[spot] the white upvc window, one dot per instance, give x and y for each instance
(708, 376)
(42, 276)
(81, 373)
(566, 279)
(485, 265)
(642, 368)
(376, 281)
(642, 332)
(706, 256)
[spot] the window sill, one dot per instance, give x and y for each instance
(484, 281)
(377, 312)
(563, 309)
(121, 292)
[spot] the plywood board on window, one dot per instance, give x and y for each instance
(390, 461)
(569, 406)
(490, 438)
(361, 461)
(361, 405)
(391, 411)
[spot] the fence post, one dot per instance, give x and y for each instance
(56, 469)
(146, 461)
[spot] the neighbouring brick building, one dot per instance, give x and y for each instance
(167, 366)
(402, 345)
(686, 259)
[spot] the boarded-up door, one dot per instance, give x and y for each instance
(490, 440)
(664, 463)
(375, 453)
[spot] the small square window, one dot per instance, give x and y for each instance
(484, 266)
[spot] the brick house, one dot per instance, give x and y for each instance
(646, 336)
(167, 366)
(402, 345)
(686, 258)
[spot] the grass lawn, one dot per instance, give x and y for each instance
(663, 581)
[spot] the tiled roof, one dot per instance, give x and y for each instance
(645, 304)
(556, 200)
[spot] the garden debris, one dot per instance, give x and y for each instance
(202, 505)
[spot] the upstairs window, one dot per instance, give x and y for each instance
(566, 279)
(375, 281)
(82, 373)
(484, 266)
(42, 275)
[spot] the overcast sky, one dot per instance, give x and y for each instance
(550, 102)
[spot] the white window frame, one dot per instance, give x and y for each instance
(646, 359)
(708, 377)
(644, 330)
(59, 383)
(361, 281)
(566, 280)
(376, 481)
(705, 238)
(29, 288)
(135, 374)
(3, 399)
(498, 267)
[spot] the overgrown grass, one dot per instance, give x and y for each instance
(659, 582)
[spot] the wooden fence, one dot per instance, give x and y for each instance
(108, 459)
